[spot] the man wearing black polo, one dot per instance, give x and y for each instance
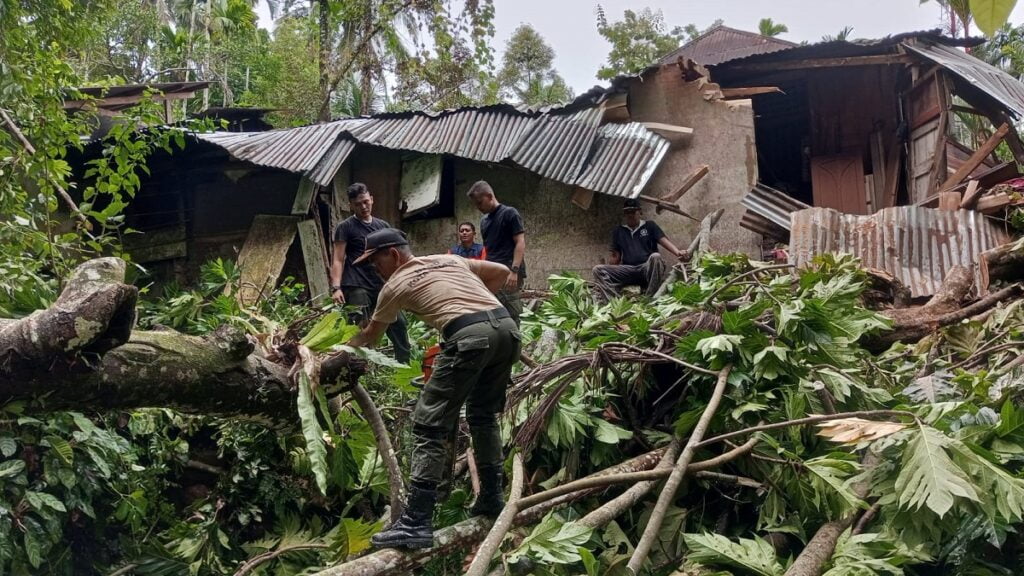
(505, 241)
(635, 260)
(358, 284)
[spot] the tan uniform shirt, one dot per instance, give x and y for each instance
(438, 289)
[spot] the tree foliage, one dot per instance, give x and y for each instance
(527, 74)
(638, 40)
(768, 27)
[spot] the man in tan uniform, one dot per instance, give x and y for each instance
(480, 343)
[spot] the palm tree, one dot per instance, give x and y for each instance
(767, 27)
(842, 36)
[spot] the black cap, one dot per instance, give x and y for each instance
(383, 238)
(630, 204)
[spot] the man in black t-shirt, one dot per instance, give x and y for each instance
(504, 238)
(635, 260)
(359, 284)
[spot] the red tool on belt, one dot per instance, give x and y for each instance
(428, 362)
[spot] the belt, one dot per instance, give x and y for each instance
(474, 318)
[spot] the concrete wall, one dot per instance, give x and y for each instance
(723, 138)
(559, 235)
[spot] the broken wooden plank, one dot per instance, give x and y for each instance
(728, 93)
(662, 205)
(670, 132)
(977, 158)
(877, 170)
(303, 197)
(892, 171)
(992, 203)
(949, 201)
(971, 195)
(582, 198)
(691, 180)
(262, 257)
(314, 255)
(876, 60)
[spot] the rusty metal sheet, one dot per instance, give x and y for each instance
(722, 44)
(916, 245)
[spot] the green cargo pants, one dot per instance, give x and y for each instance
(474, 368)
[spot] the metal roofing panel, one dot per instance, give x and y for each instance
(772, 205)
(982, 75)
(566, 147)
(722, 44)
(916, 245)
(623, 160)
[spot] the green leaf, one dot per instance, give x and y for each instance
(353, 536)
(42, 500)
(312, 432)
(62, 448)
(609, 433)
(990, 15)
(708, 347)
(553, 542)
(589, 562)
(8, 446)
(34, 545)
(373, 356)
(929, 477)
(11, 468)
(755, 555)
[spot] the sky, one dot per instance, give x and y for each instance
(569, 26)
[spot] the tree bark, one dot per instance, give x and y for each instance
(82, 354)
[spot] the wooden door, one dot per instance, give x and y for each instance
(838, 183)
(926, 163)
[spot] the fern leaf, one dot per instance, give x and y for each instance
(929, 477)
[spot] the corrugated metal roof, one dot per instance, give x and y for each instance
(624, 160)
(557, 146)
(767, 203)
(916, 245)
(992, 81)
(721, 44)
(570, 148)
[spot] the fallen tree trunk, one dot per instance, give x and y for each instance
(82, 354)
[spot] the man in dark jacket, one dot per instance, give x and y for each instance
(634, 260)
(359, 284)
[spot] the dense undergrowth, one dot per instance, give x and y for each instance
(167, 493)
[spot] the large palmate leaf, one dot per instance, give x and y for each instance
(756, 556)
(990, 15)
(929, 477)
(852, 431)
(553, 542)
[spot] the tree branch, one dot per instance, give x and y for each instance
(384, 448)
(489, 546)
(668, 493)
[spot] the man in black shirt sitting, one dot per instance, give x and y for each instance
(635, 260)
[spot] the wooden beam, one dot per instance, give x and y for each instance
(662, 205)
(976, 159)
(877, 60)
(949, 201)
(892, 171)
(668, 130)
(992, 203)
(691, 180)
(966, 110)
(122, 100)
(314, 254)
(971, 195)
(303, 197)
(728, 93)
(582, 198)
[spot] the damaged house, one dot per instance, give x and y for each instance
(796, 144)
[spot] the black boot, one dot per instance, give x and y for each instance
(414, 528)
(490, 502)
